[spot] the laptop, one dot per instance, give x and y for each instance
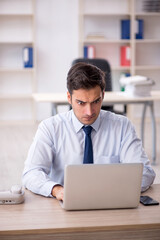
(102, 186)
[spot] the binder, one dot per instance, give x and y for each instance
(139, 28)
(85, 51)
(28, 57)
(89, 51)
(125, 29)
(125, 56)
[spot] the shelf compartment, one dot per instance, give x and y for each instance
(11, 56)
(109, 51)
(151, 32)
(147, 55)
(19, 30)
(100, 25)
(106, 6)
(16, 7)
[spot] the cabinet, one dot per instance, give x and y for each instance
(17, 28)
(100, 26)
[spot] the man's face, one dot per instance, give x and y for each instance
(86, 104)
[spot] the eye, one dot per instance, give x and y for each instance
(80, 103)
(97, 101)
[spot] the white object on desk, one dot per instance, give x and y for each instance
(138, 90)
(137, 85)
(14, 196)
(125, 80)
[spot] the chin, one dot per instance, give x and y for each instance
(89, 122)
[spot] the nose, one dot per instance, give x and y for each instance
(89, 109)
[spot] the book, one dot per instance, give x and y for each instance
(89, 51)
(95, 35)
(28, 57)
(125, 56)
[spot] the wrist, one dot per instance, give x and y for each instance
(56, 188)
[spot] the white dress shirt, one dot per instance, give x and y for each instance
(60, 140)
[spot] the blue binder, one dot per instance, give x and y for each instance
(85, 51)
(28, 57)
(125, 29)
(139, 34)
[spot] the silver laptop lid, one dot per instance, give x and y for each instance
(102, 186)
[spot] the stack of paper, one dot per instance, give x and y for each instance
(137, 85)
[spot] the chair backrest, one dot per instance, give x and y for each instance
(103, 65)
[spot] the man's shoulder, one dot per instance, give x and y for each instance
(107, 115)
(57, 119)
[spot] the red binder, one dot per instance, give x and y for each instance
(125, 56)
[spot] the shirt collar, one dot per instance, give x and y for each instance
(78, 125)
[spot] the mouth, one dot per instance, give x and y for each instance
(88, 118)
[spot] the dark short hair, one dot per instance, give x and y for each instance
(85, 76)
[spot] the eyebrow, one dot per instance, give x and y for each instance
(91, 102)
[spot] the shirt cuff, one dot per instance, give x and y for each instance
(47, 188)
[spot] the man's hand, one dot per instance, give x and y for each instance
(57, 191)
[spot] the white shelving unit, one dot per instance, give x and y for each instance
(104, 17)
(17, 28)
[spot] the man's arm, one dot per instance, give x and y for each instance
(133, 151)
(39, 163)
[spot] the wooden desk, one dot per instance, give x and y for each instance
(43, 218)
(111, 98)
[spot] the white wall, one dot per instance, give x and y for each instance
(57, 45)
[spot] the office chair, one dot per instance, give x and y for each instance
(105, 67)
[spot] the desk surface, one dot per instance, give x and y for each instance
(44, 215)
(109, 97)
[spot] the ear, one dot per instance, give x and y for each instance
(69, 97)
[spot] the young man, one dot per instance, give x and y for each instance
(60, 140)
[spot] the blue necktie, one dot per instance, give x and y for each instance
(88, 151)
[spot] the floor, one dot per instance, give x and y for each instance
(15, 142)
